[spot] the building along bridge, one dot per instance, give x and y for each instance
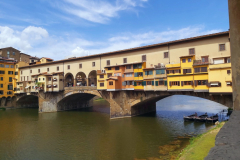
(131, 80)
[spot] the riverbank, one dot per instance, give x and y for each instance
(200, 146)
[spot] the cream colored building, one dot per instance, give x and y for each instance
(162, 53)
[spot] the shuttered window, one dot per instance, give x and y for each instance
(165, 54)
(191, 51)
(187, 71)
(221, 47)
(228, 71)
(124, 60)
(144, 58)
(108, 62)
(68, 66)
(110, 83)
(80, 65)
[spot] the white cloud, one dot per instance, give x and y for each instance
(96, 11)
(36, 41)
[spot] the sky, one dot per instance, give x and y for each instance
(61, 29)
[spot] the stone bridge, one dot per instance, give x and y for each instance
(122, 103)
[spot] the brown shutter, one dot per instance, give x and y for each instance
(178, 83)
(192, 83)
(170, 84)
(179, 70)
(167, 71)
(181, 83)
(195, 83)
(219, 84)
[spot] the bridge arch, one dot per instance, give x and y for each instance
(76, 100)
(27, 101)
(81, 79)
(69, 80)
(92, 78)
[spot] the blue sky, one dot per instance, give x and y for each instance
(64, 28)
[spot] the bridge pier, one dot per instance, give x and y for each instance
(48, 101)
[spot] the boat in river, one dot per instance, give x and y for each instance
(212, 119)
(190, 118)
(201, 118)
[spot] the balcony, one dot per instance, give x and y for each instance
(200, 62)
(129, 70)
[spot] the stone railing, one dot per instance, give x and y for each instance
(81, 88)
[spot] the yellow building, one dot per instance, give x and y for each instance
(138, 75)
(101, 80)
(220, 76)
(7, 75)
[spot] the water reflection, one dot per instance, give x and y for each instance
(90, 134)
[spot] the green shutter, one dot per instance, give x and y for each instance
(150, 72)
(152, 83)
(146, 73)
(144, 83)
(135, 83)
(156, 83)
(165, 83)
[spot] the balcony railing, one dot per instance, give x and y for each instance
(200, 62)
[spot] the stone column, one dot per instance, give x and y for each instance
(48, 101)
(234, 17)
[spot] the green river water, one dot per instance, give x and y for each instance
(91, 135)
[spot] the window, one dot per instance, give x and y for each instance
(187, 71)
(148, 73)
(30, 71)
(49, 78)
(1, 78)
(38, 70)
(13, 53)
(16, 73)
(174, 83)
(203, 69)
(93, 64)
(177, 71)
(9, 92)
(200, 82)
(186, 83)
(171, 71)
(110, 83)
(183, 60)
(47, 69)
(101, 84)
(108, 62)
(57, 68)
(138, 74)
(116, 68)
(1, 92)
(161, 83)
(101, 76)
(6, 66)
(205, 59)
(39, 79)
(197, 70)
(139, 84)
(43, 79)
(215, 84)
(8, 54)
(2, 65)
(137, 66)
(189, 59)
(68, 66)
(128, 74)
(2, 72)
(10, 79)
(149, 82)
(1, 85)
(160, 71)
(228, 71)
(221, 47)
(80, 65)
(227, 60)
(12, 66)
(109, 75)
(191, 51)
(10, 72)
(124, 60)
(144, 58)
(165, 54)
(129, 67)
(228, 84)
(10, 87)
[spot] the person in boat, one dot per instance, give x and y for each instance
(196, 114)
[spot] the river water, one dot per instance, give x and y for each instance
(91, 135)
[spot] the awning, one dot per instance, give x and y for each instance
(214, 84)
